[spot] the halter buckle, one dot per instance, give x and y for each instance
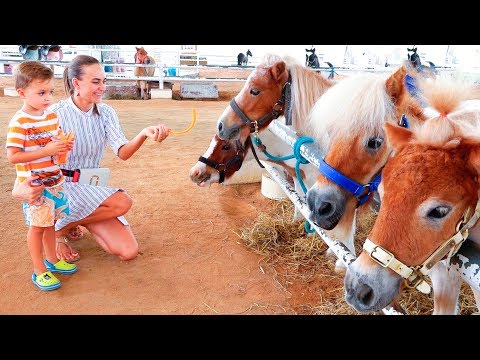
(418, 283)
(254, 127)
(277, 108)
(384, 262)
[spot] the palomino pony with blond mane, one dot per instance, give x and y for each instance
(430, 204)
(278, 87)
(142, 57)
(348, 121)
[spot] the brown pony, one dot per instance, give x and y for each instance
(141, 57)
(278, 87)
(224, 158)
(348, 122)
(430, 202)
(221, 160)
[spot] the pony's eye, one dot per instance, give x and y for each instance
(374, 143)
(254, 92)
(439, 212)
(225, 147)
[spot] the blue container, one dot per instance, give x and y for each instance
(108, 68)
(172, 71)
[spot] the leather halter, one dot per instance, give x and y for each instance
(415, 275)
(236, 161)
(141, 60)
(277, 110)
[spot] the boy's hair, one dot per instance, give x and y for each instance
(27, 71)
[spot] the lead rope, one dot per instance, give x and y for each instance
(300, 160)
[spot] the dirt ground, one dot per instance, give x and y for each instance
(191, 259)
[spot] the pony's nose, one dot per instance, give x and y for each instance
(195, 173)
(362, 295)
(326, 207)
(226, 133)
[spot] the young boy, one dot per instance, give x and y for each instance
(33, 151)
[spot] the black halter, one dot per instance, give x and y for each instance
(236, 161)
(277, 110)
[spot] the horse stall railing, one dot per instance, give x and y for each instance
(110, 72)
(466, 262)
(128, 75)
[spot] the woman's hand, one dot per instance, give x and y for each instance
(157, 133)
(27, 192)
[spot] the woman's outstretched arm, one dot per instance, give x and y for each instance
(157, 133)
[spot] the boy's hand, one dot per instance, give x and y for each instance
(55, 148)
(70, 144)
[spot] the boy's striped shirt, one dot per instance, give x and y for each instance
(31, 133)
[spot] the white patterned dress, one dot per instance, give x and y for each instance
(92, 134)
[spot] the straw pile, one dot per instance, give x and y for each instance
(300, 260)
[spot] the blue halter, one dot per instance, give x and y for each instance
(362, 192)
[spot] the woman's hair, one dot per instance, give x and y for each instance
(76, 70)
(27, 71)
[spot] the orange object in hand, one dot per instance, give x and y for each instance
(62, 158)
(190, 127)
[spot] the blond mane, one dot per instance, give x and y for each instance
(453, 110)
(359, 103)
(307, 86)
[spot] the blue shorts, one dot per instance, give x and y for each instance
(54, 206)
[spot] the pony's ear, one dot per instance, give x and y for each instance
(474, 157)
(397, 136)
(277, 70)
(137, 48)
(395, 85)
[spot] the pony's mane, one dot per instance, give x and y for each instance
(307, 86)
(453, 110)
(355, 104)
(409, 66)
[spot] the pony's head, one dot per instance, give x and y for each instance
(249, 53)
(348, 120)
(278, 86)
(261, 100)
(429, 193)
(141, 55)
(221, 160)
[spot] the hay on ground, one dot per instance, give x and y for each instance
(296, 258)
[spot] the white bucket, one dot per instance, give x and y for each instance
(271, 189)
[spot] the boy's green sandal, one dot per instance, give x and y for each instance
(46, 281)
(61, 267)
